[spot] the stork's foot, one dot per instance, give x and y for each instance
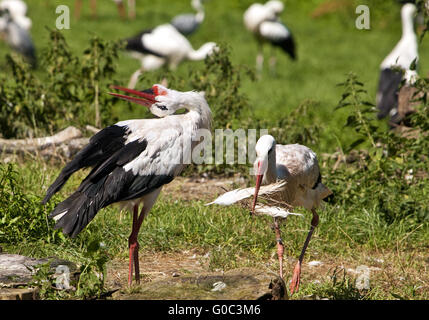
(294, 285)
(134, 260)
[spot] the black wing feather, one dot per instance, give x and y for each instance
(287, 45)
(101, 146)
(136, 44)
(107, 183)
(388, 88)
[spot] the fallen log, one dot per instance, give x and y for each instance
(65, 143)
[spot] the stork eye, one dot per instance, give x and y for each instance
(162, 107)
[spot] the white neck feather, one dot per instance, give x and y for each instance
(201, 53)
(199, 113)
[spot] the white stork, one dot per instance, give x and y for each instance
(401, 57)
(188, 23)
(297, 168)
(131, 161)
(18, 38)
(163, 45)
(263, 21)
(18, 12)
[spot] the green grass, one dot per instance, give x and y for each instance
(233, 239)
(329, 47)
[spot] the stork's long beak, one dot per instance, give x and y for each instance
(259, 177)
(147, 97)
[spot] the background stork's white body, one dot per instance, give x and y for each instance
(188, 23)
(402, 56)
(18, 38)
(170, 46)
(256, 14)
(264, 22)
(406, 50)
(18, 12)
(173, 46)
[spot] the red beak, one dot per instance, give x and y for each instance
(259, 177)
(147, 97)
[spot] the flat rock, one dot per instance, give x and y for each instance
(240, 284)
(17, 270)
(18, 294)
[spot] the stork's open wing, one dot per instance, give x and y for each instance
(147, 160)
(236, 195)
(100, 147)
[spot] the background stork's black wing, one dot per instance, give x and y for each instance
(136, 44)
(388, 88)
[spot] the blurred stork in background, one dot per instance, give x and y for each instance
(18, 11)
(296, 168)
(163, 45)
(131, 8)
(188, 23)
(264, 22)
(400, 65)
(17, 37)
(119, 4)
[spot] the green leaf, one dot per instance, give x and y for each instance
(356, 143)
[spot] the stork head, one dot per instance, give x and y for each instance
(197, 5)
(408, 11)
(162, 101)
(265, 151)
(275, 6)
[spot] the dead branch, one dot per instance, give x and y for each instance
(62, 144)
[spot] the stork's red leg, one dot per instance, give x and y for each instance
(93, 5)
(294, 285)
(280, 247)
(77, 8)
(134, 245)
(121, 9)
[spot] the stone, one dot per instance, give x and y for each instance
(17, 270)
(18, 294)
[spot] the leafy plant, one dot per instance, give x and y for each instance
(93, 273)
(22, 216)
(32, 105)
(89, 284)
(389, 178)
